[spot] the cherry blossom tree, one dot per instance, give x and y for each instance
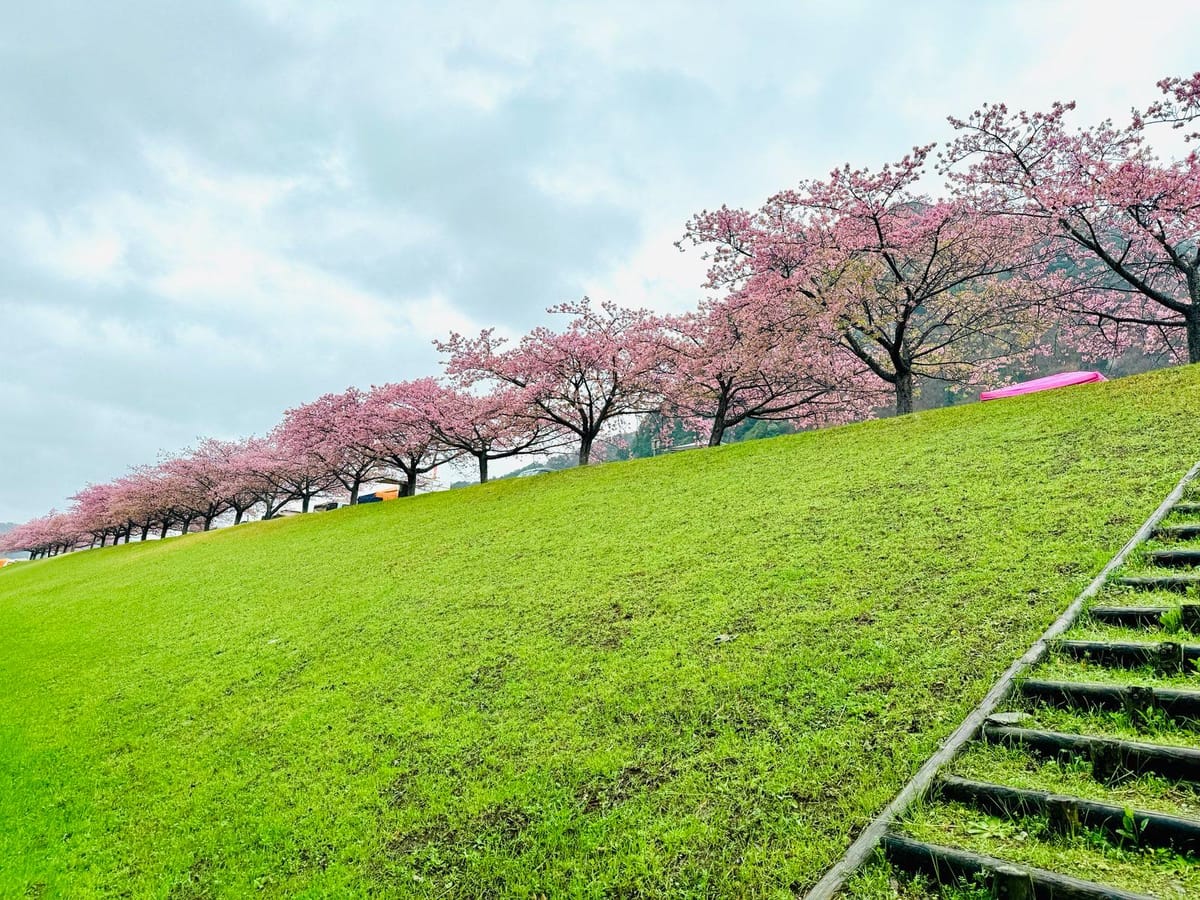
(600, 367)
(1127, 220)
(909, 285)
(334, 434)
(49, 535)
(283, 475)
(137, 502)
(402, 432)
(750, 356)
(244, 485)
(496, 425)
(93, 514)
(195, 482)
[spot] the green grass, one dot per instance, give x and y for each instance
(516, 690)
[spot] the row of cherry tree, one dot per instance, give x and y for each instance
(834, 299)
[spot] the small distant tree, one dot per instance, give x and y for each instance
(499, 424)
(597, 369)
(334, 433)
(199, 482)
(285, 472)
(49, 535)
(138, 501)
(402, 430)
(93, 514)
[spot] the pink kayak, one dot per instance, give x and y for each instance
(1062, 379)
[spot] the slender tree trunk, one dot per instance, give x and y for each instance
(145, 530)
(904, 393)
(1192, 317)
(237, 516)
(483, 461)
(719, 417)
(304, 503)
(354, 492)
(166, 526)
(207, 523)
(585, 449)
(103, 539)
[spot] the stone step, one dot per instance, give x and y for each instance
(1175, 559)
(1177, 532)
(1122, 654)
(1111, 758)
(1146, 616)
(1177, 583)
(947, 865)
(1138, 700)
(1067, 814)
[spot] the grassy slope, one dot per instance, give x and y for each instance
(516, 689)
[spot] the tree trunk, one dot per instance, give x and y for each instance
(719, 418)
(354, 491)
(585, 450)
(145, 530)
(304, 503)
(483, 461)
(718, 430)
(409, 488)
(237, 516)
(208, 523)
(1192, 317)
(162, 532)
(904, 393)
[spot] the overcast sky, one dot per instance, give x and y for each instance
(212, 211)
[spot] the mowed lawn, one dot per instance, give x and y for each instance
(696, 675)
